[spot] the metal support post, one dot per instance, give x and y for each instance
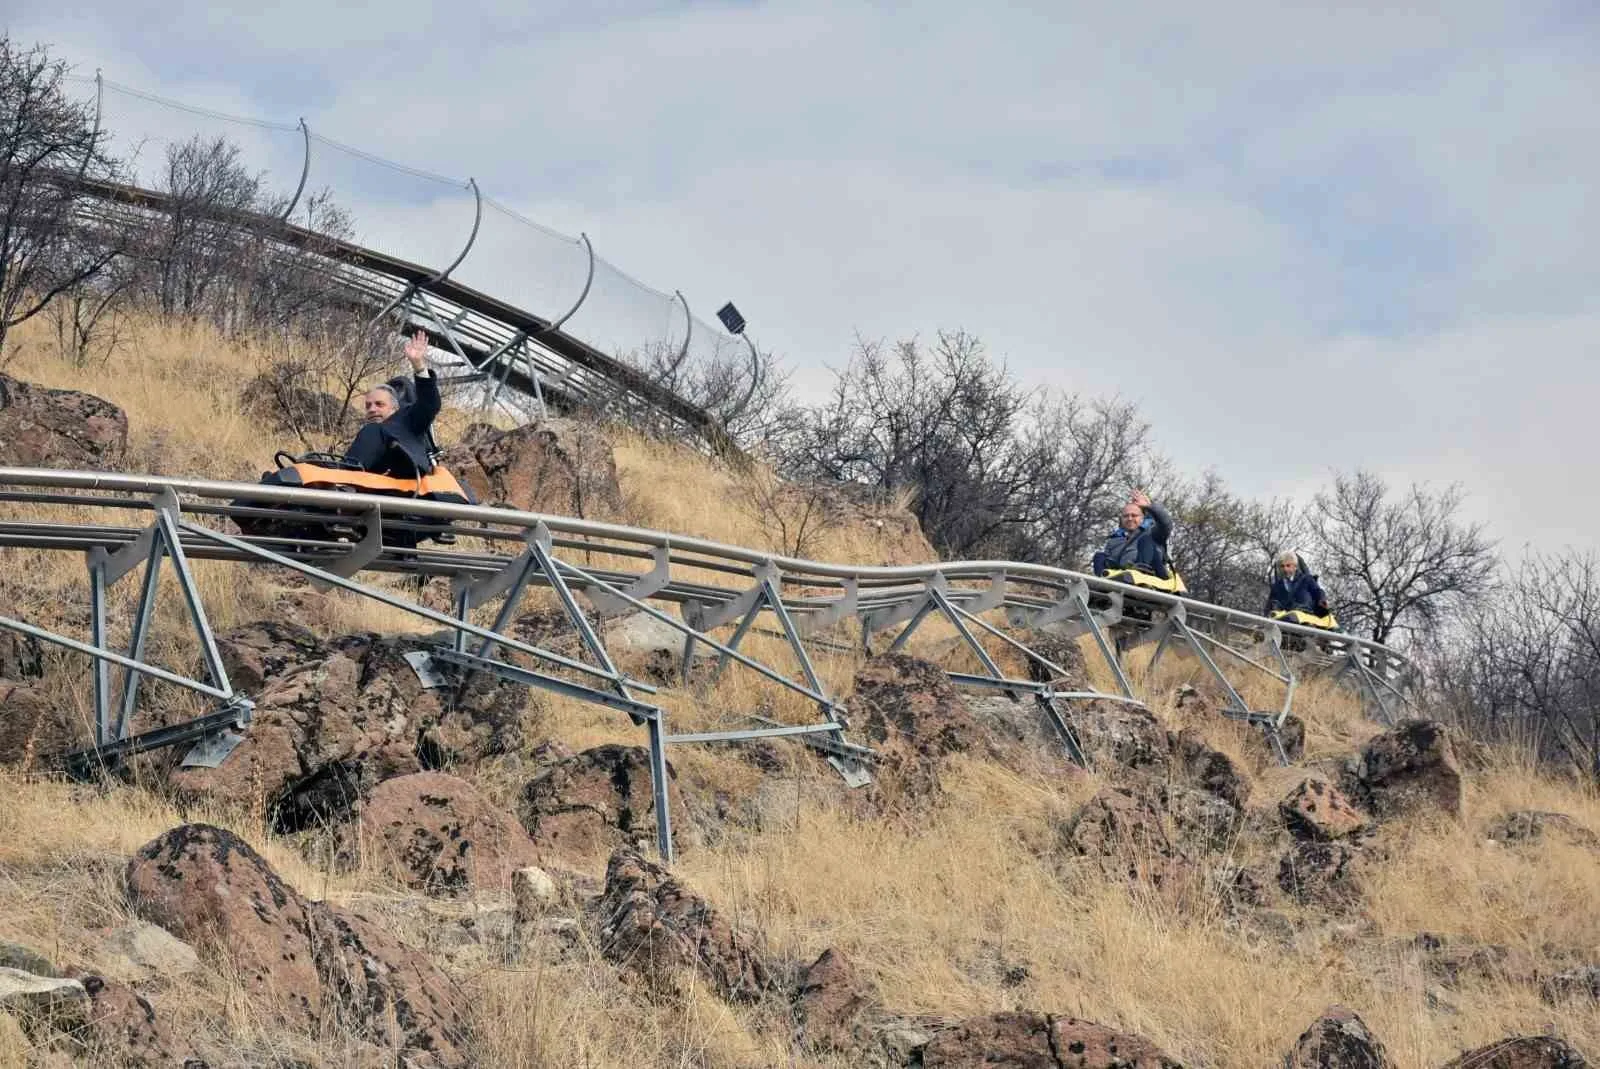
(1184, 632)
(141, 627)
(657, 729)
(97, 636)
(167, 519)
(1106, 651)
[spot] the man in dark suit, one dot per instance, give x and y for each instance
(395, 440)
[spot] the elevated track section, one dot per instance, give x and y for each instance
(710, 594)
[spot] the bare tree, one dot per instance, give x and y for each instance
(47, 140)
(942, 421)
(198, 250)
(1396, 565)
(795, 516)
(1526, 666)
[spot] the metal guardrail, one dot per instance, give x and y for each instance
(984, 603)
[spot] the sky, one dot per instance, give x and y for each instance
(1302, 237)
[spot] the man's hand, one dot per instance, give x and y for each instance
(1139, 499)
(417, 350)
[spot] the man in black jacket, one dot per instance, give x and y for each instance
(395, 440)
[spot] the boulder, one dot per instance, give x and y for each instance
(436, 833)
(1194, 762)
(281, 399)
(45, 428)
(1339, 1039)
(140, 951)
(1523, 1052)
(1410, 770)
(49, 1001)
(1061, 650)
(334, 719)
(122, 1029)
(1122, 829)
(1450, 960)
(1197, 820)
(1533, 826)
(533, 892)
(659, 930)
(309, 963)
(36, 729)
(21, 657)
(831, 1002)
(1119, 738)
(1581, 984)
(1320, 874)
(563, 467)
(583, 807)
(909, 712)
(1038, 1041)
(26, 959)
(1318, 810)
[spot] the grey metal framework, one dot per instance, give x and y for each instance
(511, 551)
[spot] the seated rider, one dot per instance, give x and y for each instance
(395, 440)
(1294, 588)
(1140, 540)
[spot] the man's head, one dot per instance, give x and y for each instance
(380, 403)
(1289, 561)
(1132, 516)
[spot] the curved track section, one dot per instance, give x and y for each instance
(970, 614)
(522, 307)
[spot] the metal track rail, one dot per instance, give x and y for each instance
(986, 608)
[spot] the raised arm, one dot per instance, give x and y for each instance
(419, 415)
(1162, 528)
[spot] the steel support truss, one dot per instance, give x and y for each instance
(895, 601)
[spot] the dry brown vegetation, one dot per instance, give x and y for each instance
(964, 908)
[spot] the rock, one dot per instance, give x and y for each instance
(584, 807)
(334, 719)
(1410, 770)
(36, 729)
(53, 1001)
(1317, 810)
(1038, 1041)
(1060, 649)
(1581, 984)
(1532, 826)
(1291, 733)
(910, 713)
(1449, 961)
(1522, 1052)
(122, 1029)
(26, 959)
(1320, 874)
(563, 467)
(831, 1002)
(658, 929)
(436, 833)
(1120, 738)
(1123, 830)
(45, 428)
(1197, 820)
(534, 893)
(313, 964)
(280, 399)
(139, 951)
(1195, 762)
(1339, 1039)
(21, 657)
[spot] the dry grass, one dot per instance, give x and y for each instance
(967, 908)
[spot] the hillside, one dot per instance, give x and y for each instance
(1170, 894)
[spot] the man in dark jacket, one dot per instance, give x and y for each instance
(1294, 588)
(1140, 540)
(395, 439)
